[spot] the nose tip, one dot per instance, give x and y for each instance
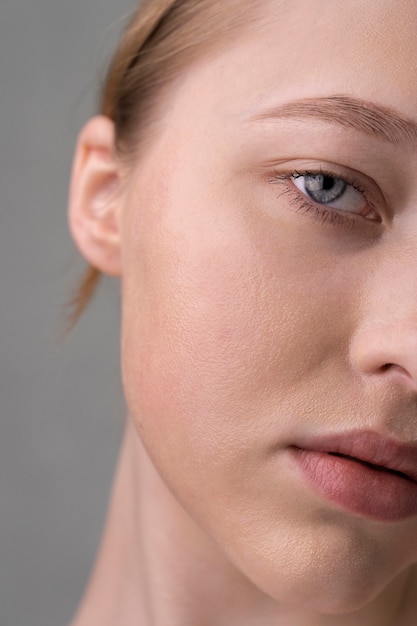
(390, 354)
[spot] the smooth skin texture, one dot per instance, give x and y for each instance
(251, 319)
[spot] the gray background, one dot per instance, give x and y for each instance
(61, 403)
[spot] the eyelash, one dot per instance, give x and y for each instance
(327, 215)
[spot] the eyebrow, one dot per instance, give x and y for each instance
(375, 120)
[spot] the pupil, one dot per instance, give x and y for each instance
(328, 183)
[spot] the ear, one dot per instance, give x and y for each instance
(95, 197)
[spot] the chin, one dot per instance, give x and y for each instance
(328, 592)
(334, 570)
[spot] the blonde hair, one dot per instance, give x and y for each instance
(162, 37)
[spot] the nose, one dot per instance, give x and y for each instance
(384, 344)
(385, 351)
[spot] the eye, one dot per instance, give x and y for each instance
(331, 191)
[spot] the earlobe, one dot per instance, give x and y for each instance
(95, 196)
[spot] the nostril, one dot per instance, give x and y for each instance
(393, 367)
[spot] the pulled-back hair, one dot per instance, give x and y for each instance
(161, 39)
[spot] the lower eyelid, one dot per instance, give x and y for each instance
(366, 208)
(319, 212)
(304, 205)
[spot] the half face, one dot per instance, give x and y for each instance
(270, 298)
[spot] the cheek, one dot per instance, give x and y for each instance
(221, 317)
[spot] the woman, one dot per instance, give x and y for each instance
(252, 181)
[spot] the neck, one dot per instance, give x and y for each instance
(156, 567)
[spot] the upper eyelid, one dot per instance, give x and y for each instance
(321, 172)
(349, 180)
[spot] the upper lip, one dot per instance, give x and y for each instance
(369, 447)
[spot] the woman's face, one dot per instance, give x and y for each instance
(269, 250)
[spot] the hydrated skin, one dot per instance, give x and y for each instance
(249, 322)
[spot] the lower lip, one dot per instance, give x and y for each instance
(376, 494)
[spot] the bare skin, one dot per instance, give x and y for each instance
(252, 318)
(186, 581)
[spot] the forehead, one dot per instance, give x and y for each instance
(303, 48)
(289, 50)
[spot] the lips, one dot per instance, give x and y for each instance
(362, 471)
(370, 448)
